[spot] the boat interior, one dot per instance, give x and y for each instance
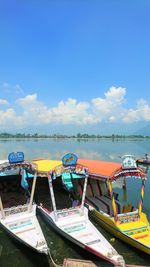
(97, 196)
(42, 194)
(11, 191)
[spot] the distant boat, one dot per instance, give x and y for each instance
(126, 222)
(20, 221)
(145, 161)
(73, 223)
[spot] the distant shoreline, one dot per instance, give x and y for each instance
(78, 136)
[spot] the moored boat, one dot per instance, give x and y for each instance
(126, 222)
(20, 221)
(73, 222)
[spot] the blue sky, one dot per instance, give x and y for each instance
(69, 66)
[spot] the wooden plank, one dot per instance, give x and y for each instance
(77, 263)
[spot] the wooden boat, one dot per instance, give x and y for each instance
(73, 222)
(20, 221)
(128, 223)
(144, 161)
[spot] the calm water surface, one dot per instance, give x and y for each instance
(14, 255)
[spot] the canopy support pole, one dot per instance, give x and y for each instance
(84, 192)
(113, 200)
(32, 193)
(2, 209)
(142, 197)
(52, 196)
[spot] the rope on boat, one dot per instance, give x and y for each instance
(50, 256)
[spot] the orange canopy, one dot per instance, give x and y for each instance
(102, 168)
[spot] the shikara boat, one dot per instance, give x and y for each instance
(126, 222)
(20, 221)
(144, 161)
(73, 223)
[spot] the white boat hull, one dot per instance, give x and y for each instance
(24, 227)
(76, 227)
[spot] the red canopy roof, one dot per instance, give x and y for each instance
(110, 170)
(101, 168)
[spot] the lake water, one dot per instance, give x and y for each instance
(14, 255)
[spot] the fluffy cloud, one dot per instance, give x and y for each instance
(3, 101)
(9, 118)
(141, 113)
(110, 108)
(69, 112)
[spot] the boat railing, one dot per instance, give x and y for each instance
(16, 209)
(128, 217)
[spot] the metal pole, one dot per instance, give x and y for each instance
(84, 192)
(32, 193)
(2, 209)
(52, 195)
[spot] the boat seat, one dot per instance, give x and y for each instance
(92, 199)
(108, 200)
(97, 190)
(94, 196)
(107, 203)
(97, 204)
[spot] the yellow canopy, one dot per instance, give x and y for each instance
(44, 165)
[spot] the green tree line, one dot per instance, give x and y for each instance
(78, 136)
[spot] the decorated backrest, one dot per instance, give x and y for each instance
(69, 159)
(128, 217)
(16, 157)
(128, 162)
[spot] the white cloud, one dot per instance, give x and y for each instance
(141, 113)
(3, 101)
(113, 98)
(69, 112)
(9, 118)
(110, 108)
